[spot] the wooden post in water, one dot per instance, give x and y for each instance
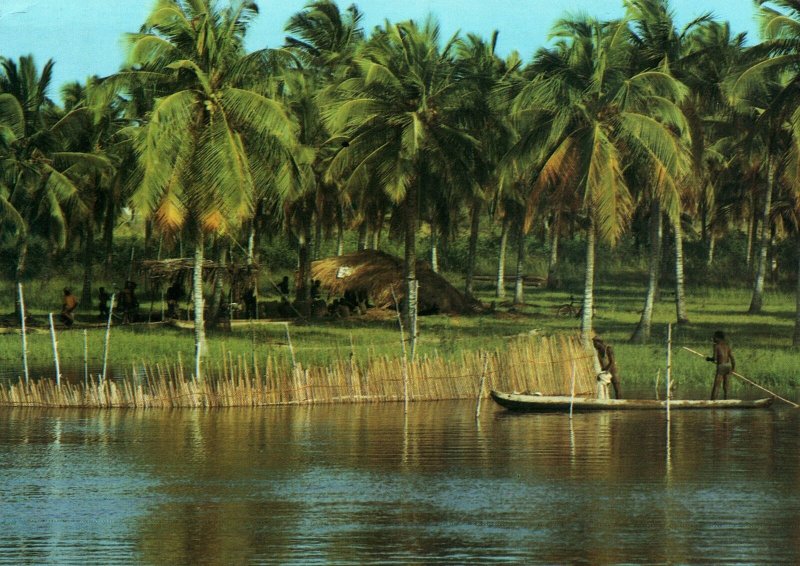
(480, 387)
(108, 335)
(55, 350)
(669, 366)
(405, 356)
(572, 390)
(24, 335)
(85, 358)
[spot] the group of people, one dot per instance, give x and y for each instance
(722, 357)
(127, 304)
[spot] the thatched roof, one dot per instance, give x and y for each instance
(379, 273)
(170, 268)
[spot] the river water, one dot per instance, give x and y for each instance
(368, 484)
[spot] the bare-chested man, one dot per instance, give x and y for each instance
(608, 362)
(726, 364)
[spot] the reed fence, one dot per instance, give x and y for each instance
(532, 364)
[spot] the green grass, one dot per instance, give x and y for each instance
(762, 344)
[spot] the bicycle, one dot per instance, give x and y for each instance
(571, 309)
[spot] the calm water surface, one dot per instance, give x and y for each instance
(367, 484)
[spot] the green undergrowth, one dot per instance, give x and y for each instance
(762, 343)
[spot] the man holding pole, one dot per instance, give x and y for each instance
(726, 364)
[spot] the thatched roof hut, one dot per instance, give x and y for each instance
(379, 273)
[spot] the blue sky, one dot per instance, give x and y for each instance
(83, 36)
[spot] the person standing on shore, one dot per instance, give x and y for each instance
(726, 364)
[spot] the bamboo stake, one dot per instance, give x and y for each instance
(753, 383)
(85, 358)
(480, 387)
(55, 350)
(669, 369)
(572, 390)
(108, 335)
(24, 334)
(405, 357)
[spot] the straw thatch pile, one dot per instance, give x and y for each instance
(378, 274)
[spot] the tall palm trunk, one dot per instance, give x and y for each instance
(473, 245)
(519, 280)
(199, 310)
(362, 235)
(588, 286)
(215, 304)
(19, 272)
(757, 299)
(108, 233)
(500, 291)
(88, 247)
(796, 337)
(434, 249)
(303, 291)
(642, 332)
(712, 245)
(680, 288)
(317, 236)
(751, 230)
(410, 264)
(339, 230)
(552, 265)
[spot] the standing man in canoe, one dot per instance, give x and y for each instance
(608, 363)
(726, 364)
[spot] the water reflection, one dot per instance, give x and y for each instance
(368, 483)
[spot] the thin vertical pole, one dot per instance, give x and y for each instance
(669, 366)
(291, 349)
(85, 358)
(55, 350)
(24, 334)
(572, 390)
(480, 387)
(108, 335)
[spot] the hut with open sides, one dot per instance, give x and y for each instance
(378, 274)
(234, 278)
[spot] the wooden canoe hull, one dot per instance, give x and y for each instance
(561, 403)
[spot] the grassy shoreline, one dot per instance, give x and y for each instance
(762, 343)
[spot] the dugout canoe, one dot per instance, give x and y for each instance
(561, 403)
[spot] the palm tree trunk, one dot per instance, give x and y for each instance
(303, 291)
(680, 290)
(473, 245)
(410, 264)
(553, 262)
(108, 233)
(215, 305)
(317, 237)
(434, 249)
(251, 243)
(500, 290)
(22, 257)
(519, 281)
(199, 311)
(588, 286)
(796, 337)
(751, 221)
(757, 299)
(642, 333)
(339, 230)
(362, 235)
(712, 244)
(88, 246)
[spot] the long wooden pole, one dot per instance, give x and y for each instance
(24, 335)
(85, 358)
(753, 383)
(108, 335)
(669, 366)
(55, 350)
(480, 387)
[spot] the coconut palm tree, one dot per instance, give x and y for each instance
(38, 197)
(209, 141)
(599, 116)
(399, 120)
